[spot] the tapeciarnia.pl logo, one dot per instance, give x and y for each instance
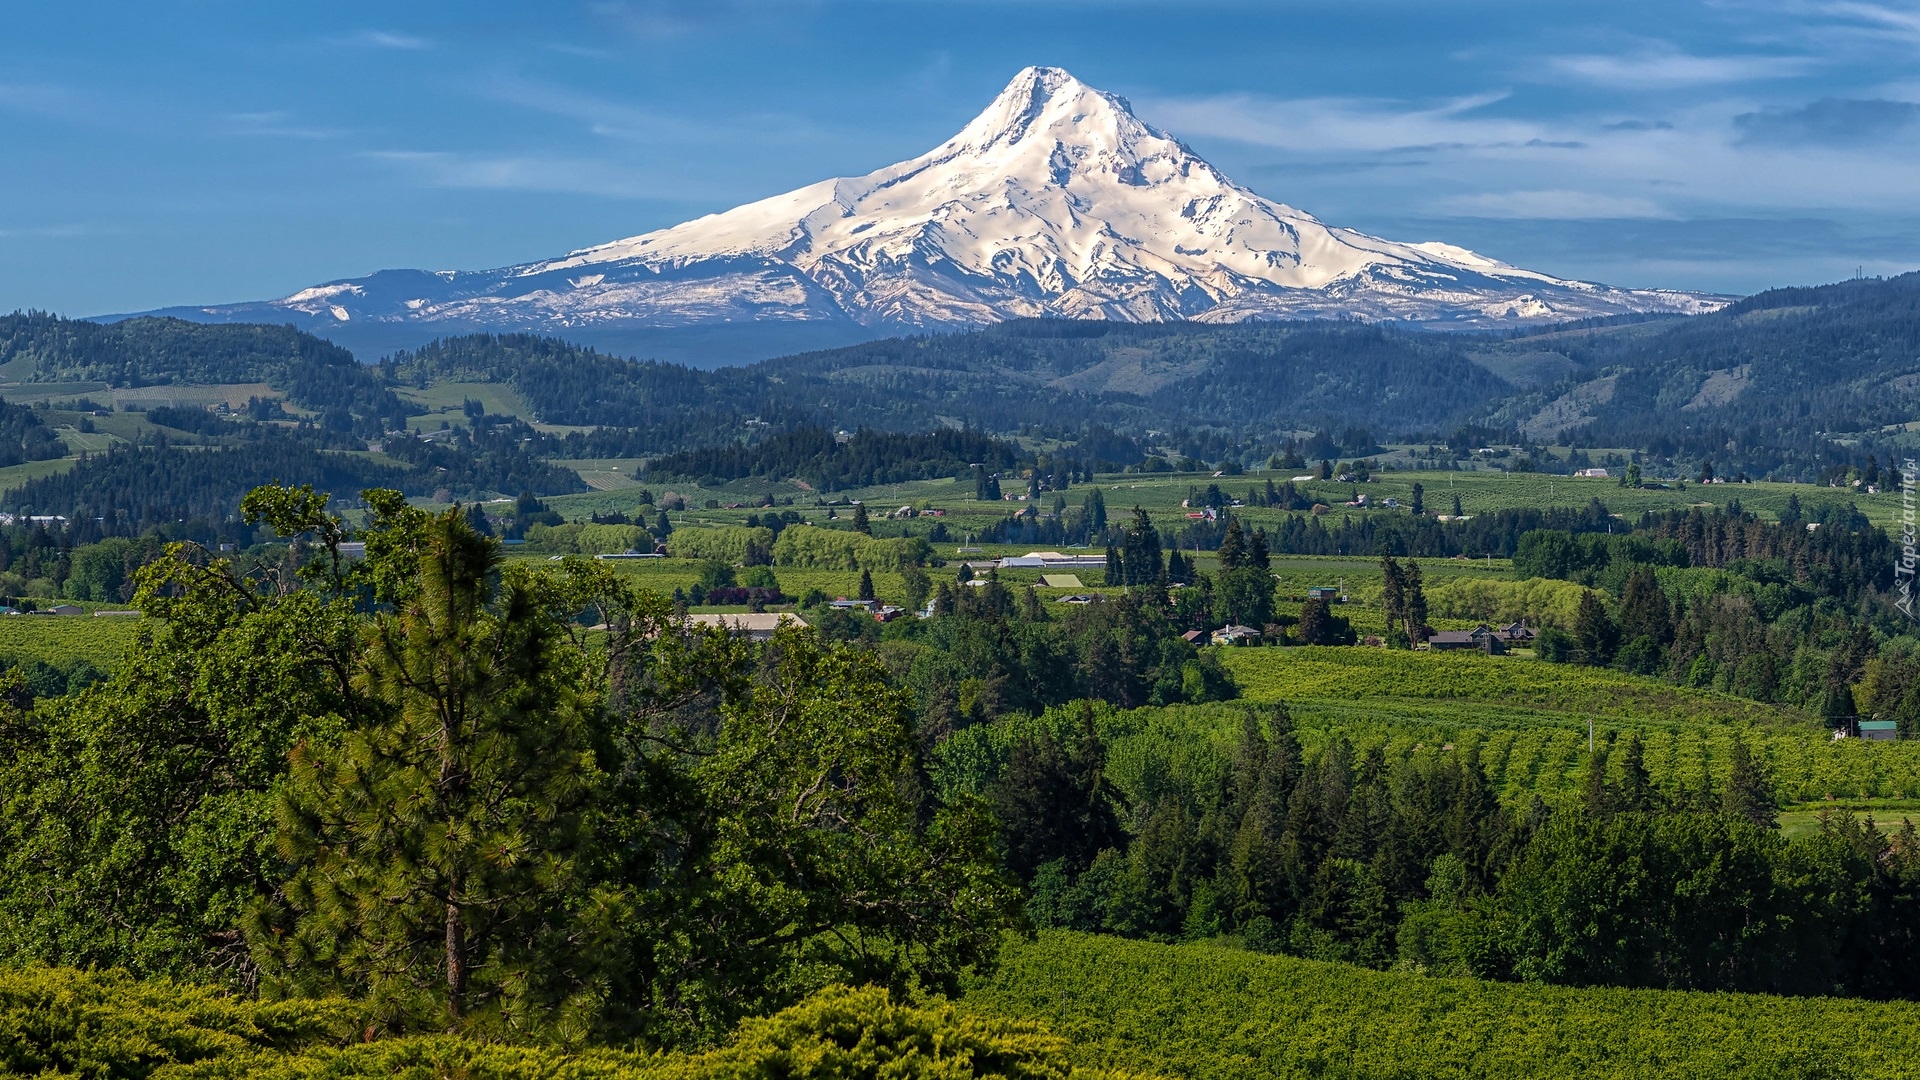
(1903, 570)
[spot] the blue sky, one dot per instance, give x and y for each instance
(159, 153)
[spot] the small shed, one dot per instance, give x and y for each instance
(1326, 593)
(1885, 730)
(1061, 581)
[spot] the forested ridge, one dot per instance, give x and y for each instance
(130, 489)
(150, 351)
(1794, 368)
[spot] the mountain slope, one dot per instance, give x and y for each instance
(1055, 201)
(1778, 383)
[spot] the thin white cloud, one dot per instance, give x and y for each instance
(614, 119)
(48, 100)
(46, 231)
(1561, 205)
(1346, 124)
(1663, 67)
(573, 176)
(386, 39)
(1900, 23)
(275, 124)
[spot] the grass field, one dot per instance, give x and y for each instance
(58, 639)
(1529, 721)
(1161, 495)
(1384, 676)
(13, 476)
(1204, 1012)
(446, 401)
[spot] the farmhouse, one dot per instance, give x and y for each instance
(754, 626)
(1483, 638)
(1235, 635)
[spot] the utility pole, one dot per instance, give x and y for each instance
(1589, 736)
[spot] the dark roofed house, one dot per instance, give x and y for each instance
(1482, 638)
(1517, 632)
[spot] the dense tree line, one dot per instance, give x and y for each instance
(1718, 598)
(829, 463)
(159, 351)
(25, 437)
(413, 780)
(1346, 856)
(131, 489)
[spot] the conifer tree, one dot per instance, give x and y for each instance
(1748, 794)
(1177, 572)
(1232, 547)
(1594, 791)
(1393, 599)
(1140, 561)
(1416, 604)
(440, 848)
(866, 585)
(1594, 633)
(1635, 793)
(860, 522)
(1095, 506)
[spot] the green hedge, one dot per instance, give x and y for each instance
(1207, 1012)
(728, 543)
(60, 1022)
(839, 549)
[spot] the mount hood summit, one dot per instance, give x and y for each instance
(1056, 201)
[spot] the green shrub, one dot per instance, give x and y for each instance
(61, 1022)
(58, 1021)
(731, 543)
(1206, 1012)
(820, 549)
(613, 539)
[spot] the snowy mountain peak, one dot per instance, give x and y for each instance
(1036, 104)
(1056, 200)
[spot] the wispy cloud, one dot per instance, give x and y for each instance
(669, 20)
(573, 176)
(47, 100)
(1829, 122)
(275, 124)
(385, 39)
(1661, 66)
(615, 119)
(1348, 124)
(45, 232)
(1555, 205)
(1897, 22)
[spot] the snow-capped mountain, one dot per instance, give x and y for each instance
(1055, 201)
